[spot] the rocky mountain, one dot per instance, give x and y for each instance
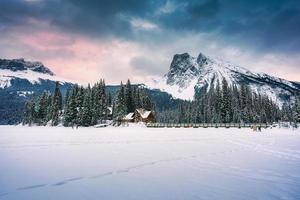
(22, 65)
(189, 75)
(21, 80)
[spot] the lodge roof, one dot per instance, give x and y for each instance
(143, 113)
(129, 116)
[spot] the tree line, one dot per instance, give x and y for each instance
(231, 104)
(85, 106)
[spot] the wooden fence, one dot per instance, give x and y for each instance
(206, 125)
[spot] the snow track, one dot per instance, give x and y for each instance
(141, 163)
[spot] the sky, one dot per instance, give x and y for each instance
(85, 40)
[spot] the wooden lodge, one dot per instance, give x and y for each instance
(140, 115)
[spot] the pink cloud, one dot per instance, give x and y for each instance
(47, 40)
(87, 59)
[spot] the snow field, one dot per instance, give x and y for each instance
(144, 163)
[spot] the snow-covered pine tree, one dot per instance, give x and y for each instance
(42, 109)
(236, 114)
(79, 104)
(120, 108)
(70, 111)
(129, 97)
(29, 113)
(80, 96)
(218, 102)
(137, 98)
(225, 102)
(103, 101)
(109, 99)
(85, 112)
(296, 110)
(56, 105)
(181, 113)
(93, 105)
(67, 97)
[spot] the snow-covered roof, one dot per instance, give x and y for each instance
(144, 113)
(129, 116)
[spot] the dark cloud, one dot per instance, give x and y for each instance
(262, 26)
(100, 18)
(206, 9)
(15, 13)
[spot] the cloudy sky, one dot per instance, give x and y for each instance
(84, 40)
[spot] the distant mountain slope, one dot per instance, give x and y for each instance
(20, 80)
(12, 71)
(161, 99)
(188, 75)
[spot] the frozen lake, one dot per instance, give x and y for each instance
(140, 163)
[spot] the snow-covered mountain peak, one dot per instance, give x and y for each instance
(17, 70)
(185, 69)
(182, 70)
(201, 59)
(188, 74)
(22, 65)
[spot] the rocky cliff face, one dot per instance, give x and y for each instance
(188, 74)
(22, 65)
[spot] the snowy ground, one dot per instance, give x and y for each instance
(140, 163)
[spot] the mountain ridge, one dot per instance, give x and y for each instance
(20, 81)
(20, 64)
(189, 75)
(13, 71)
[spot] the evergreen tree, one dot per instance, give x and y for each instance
(109, 99)
(42, 109)
(181, 113)
(225, 103)
(85, 112)
(70, 112)
(120, 107)
(104, 105)
(129, 98)
(56, 105)
(145, 100)
(296, 110)
(67, 97)
(29, 113)
(218, 103)
(137, 98)
(236, 114)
